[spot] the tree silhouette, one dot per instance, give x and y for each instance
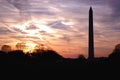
(42, 58)
(20, 46)
(117, 48)
(115, 55)
(81, 57)
(6, 48)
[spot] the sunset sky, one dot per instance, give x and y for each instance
(60, 24)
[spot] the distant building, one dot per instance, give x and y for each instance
(6, 48)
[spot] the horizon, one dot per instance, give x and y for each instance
(62, 25)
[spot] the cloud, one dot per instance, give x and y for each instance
(59, 25)
(31, 27)
(5, 31)
(20, 4)
(24, 37)
(19, 31)
(115, 6)
(66, 38)
(44, 33)
(58, 15)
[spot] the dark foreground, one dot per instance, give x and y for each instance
(16, 62)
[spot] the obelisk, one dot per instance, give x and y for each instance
(91, 35)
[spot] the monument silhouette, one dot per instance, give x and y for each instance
(91, 35)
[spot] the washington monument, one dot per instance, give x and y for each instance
(91, 35)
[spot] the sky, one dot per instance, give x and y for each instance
(61, 25)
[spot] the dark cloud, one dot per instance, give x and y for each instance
(31, 6)
(19, 31)
(115, 5)
(24, 37)
(44, 33)
(22, 7)
(31, 27)
(4, 30)
(116, 28)
(20, 4)
(43, 13)
(114, 17)
(32, 37)
(17, 37)
(111, 21)
(79, 36)
(94, 2)
(66, 38)
(59, 25)
(101, 48)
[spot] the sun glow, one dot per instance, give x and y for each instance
(34, 29)
(29, 47)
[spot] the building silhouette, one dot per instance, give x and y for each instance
(91, 35)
